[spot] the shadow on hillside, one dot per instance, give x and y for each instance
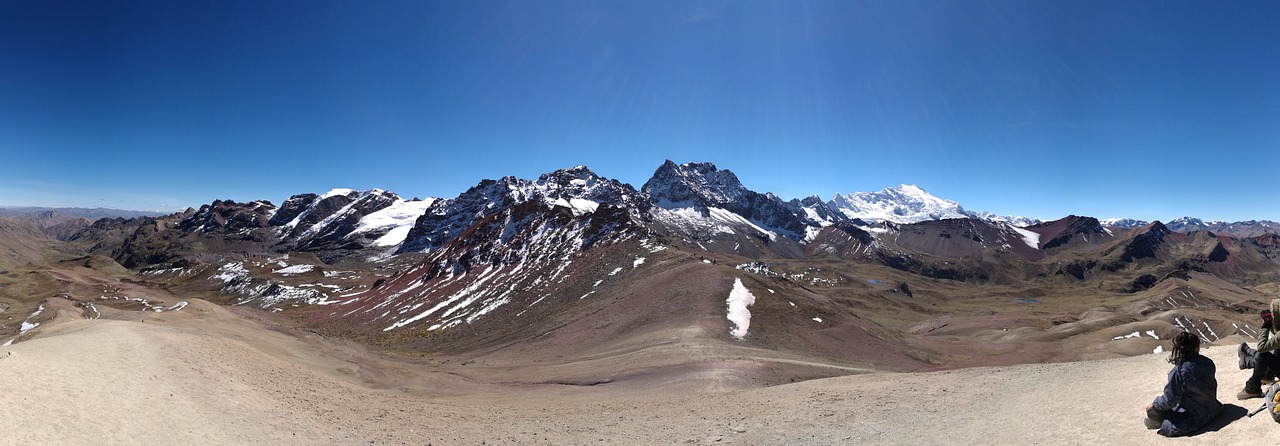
(1230, 413)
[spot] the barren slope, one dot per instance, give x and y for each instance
(202, 375)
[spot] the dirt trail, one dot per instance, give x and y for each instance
(203, 376)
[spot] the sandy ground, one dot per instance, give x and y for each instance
(205, 376)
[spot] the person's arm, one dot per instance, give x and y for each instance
(1173, 391)
(1267, 341)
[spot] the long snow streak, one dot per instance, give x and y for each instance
(739, 299)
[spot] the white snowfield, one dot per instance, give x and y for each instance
(294, 270)
(396, 219)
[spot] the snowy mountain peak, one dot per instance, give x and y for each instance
(581, 189)
(1124, 223)
(1020, 222)
(1240, 228)
(572, 181)
(903, 204)
(911, 190)
(338, 191)
(576, 188)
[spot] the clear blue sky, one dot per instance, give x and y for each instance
(1150, 110)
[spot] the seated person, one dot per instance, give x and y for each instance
(1190, 398)
(1249, 355)
(1265, 361)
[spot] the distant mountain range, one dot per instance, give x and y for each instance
(698, 202)
(902, 204)
(32, 212)
(526, 255)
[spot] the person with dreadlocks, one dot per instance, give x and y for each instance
(1190, 397)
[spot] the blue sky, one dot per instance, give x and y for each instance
(1150, 110)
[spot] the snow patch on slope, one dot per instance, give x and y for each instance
(397, 219)
(1032, 239)
(579, 206)
(294, 270)
(731, 218)
(739, 299)
(27, 325)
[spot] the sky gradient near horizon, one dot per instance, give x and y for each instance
(1148, 110)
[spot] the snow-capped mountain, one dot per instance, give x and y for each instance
(1249, 228)
(1017, 221)
(328, 221)
(909, 203)
(577, 189)
(698, 203)
(503, 247)
(903, 204)
(1124, 223)
(693, 192)
(517, 248)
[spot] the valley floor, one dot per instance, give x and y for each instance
(206, 376)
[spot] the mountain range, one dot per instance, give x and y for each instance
(573, 259)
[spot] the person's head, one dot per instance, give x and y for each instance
(1275, 309)
(1184, 345)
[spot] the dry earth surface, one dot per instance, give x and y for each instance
(205, 375)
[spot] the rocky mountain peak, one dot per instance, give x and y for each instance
(1069, 229)
(228, 216)
(1158, 228)
(313, 213)
(580, 183)
(1147, 243)
(693, 184)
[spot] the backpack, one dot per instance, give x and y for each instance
(1273, 401)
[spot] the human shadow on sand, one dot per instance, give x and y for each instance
(1230, 413)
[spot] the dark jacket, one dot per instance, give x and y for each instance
(1190, 397)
